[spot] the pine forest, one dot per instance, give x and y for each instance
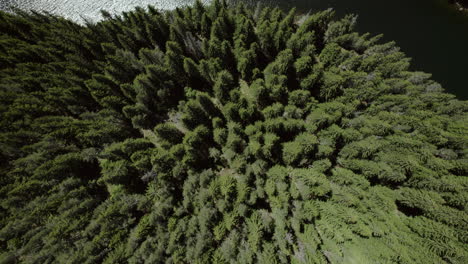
(223, 133)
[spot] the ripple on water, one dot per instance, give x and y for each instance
(90, 9)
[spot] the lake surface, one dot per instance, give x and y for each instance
(429, 31)
(90, 9)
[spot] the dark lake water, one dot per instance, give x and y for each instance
(429, 31)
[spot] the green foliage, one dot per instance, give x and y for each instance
(301, 150)
(223, 85)
(224, 134)
(168, 133)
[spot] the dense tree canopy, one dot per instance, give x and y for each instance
(222, 134)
